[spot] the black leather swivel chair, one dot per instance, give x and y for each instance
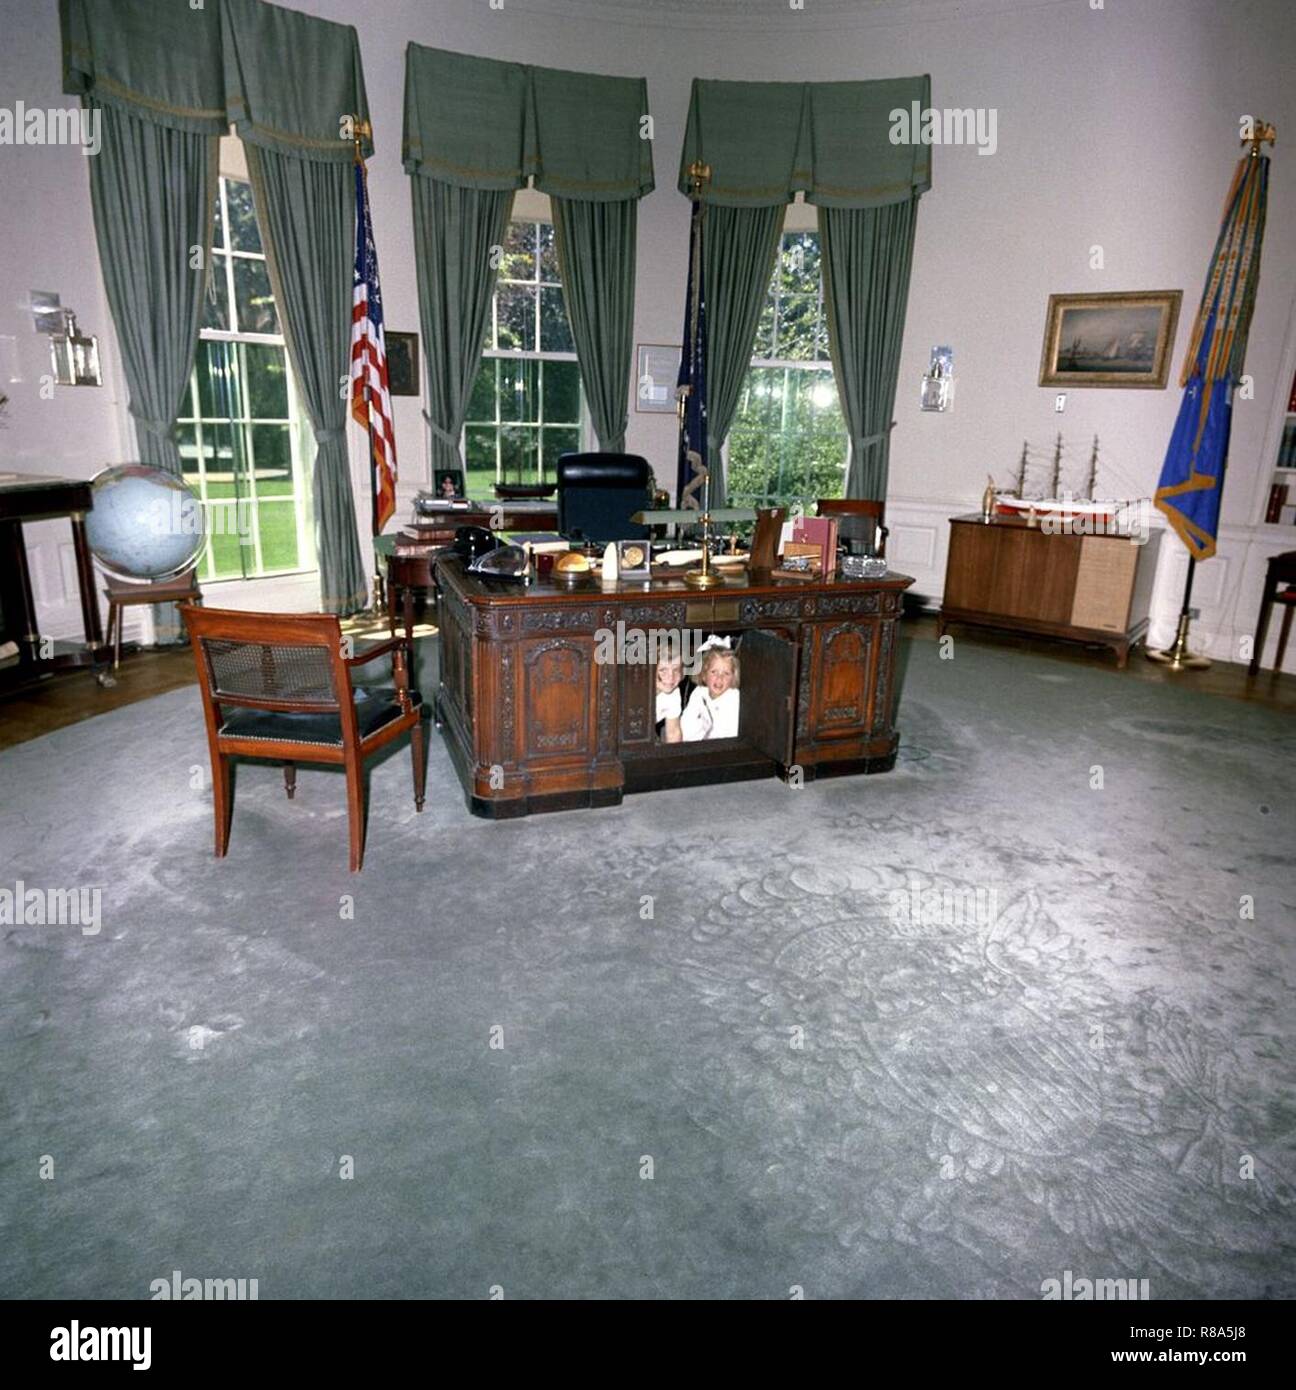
(599, 493)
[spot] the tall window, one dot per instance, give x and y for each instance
(525, 407)
(788, 441)
(243, 446)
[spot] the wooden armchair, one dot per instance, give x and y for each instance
(861, 521)
(278, 686)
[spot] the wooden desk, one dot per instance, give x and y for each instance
(36, 497)
(1006, 574)
(535, 722)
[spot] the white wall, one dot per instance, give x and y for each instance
(1117, 127)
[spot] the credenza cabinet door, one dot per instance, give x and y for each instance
(558, 698)
(1018, 573)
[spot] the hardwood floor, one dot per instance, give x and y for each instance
(67, 699)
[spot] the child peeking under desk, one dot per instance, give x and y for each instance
(712, 710)
(670, 698)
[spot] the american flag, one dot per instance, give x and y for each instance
(370, 395)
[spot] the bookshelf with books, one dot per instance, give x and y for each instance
(1280, 505)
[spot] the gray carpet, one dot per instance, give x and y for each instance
(782, 1079)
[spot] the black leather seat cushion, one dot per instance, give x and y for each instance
(374, 709)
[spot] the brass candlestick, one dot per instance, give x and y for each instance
(706, 577)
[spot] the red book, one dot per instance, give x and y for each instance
(1277, 501)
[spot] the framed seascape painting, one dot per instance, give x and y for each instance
(1122, 339)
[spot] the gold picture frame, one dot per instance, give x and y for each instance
(1123, 339)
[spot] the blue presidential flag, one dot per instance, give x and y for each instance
(1192, 476)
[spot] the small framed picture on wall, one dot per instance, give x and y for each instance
(656, 377)
(402, 363)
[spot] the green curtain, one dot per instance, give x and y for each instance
(153, 192)
(306, 208)
(739, 246)
(596, 256)
(766, 141)
(456, 235)
(867, 256)
(482, 123)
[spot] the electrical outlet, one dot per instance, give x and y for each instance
(1059, 402)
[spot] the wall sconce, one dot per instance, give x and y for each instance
(74, 357)
(937, 391)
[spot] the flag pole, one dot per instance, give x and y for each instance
(1177, 657)
(362, 130)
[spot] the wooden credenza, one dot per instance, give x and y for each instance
(1007, 574)
(536, 721)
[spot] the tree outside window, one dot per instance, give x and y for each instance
(526, 404)
(788, 441)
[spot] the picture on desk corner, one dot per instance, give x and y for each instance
(702, 704)
(448, 484)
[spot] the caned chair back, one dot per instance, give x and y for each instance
(273, 661)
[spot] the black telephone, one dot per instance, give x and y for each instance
(472, 542)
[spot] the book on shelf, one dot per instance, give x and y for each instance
(1277, 501)
(1291, 399)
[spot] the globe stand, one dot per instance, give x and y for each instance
(122, 594)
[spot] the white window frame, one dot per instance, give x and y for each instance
(531, 211)
(301, 497)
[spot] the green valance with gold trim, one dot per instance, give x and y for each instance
(481, 123)
(767, 141)
(291, 79)
(159, 61)
(283, 78)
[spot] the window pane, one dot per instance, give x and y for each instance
(479, 448)
(223, 542)
(561, 393)
(218, 226)
(516, 318)
(216, 300)
(764, 344)
(798, 325)
(216, 387)
(517, 389)
(187, 443)
(255, 304)
(266, 385)
(244, 233)
(548, 254)
(518, 261)
(560, 441)
(519, 453)
(481, 404)
(277, 526)
(555, 331)
(272, 450)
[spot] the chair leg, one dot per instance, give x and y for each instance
(356, 813)
(290, 779)
(222, 800)
(420, 763)
(1283, 633)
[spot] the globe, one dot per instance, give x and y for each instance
(145, 524)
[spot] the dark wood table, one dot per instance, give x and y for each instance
(36, 497)
(537, 718)
(1281, 569)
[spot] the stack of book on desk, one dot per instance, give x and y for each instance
(810, 544)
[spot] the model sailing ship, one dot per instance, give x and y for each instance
(1060, 506)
